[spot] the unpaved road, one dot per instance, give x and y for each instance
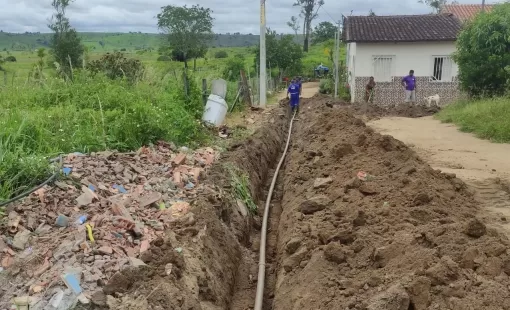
(309, 89)
(478, 162)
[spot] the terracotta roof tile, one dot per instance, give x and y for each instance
(464, 11)
(401, 28)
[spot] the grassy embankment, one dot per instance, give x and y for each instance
(42, 118)
(487, 119)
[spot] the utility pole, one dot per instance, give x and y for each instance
(337, 47)
(263, 74)
(483, 5)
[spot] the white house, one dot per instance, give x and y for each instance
(387, 47)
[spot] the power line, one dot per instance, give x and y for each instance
(335, 22)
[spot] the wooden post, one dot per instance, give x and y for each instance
(204, 91)
(246, 88)
(185, 80)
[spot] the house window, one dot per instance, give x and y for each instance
(382, 67)
(442, 68)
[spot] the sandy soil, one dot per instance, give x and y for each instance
(309, 89)
(480, 163)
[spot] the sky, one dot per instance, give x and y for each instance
(230, 15)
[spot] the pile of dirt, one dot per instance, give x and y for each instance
(366, 224)
(372, 111)
(210, 240)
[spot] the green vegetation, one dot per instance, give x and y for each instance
(323, 32)
(233, 66)
(66, 48)
(109, 42)
(483, 53)
(484, 73)
(288, 62)
(221, 54)
(91, 114)
(487, 119)
(187, 30)
(241, 188)
(116, 66)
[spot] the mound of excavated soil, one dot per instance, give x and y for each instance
(397, 236)
(195, 265)
(373, 111)
(144, 256)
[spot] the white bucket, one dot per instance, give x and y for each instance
(219, 87)
(215, 110)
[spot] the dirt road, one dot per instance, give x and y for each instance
(309, 89)
(478, 162)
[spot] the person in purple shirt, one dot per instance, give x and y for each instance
(293, 91)
(409, 83)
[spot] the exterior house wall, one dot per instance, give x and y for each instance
(406, 56)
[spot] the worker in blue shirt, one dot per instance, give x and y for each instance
(293, 91)
(300, 83)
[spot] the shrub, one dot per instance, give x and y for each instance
(221, 54)
(326, 86)
(232, 68)
(10, 59)
(122, 49)
(164, 58)
(117, 66)
(482, 53)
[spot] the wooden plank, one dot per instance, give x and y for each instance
(246, 88)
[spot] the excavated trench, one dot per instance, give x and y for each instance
(358, 221)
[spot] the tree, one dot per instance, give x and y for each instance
(288, 62)
(371, 13)
(66, 47)
(294, 24)
(436, 5)
(323, 32)
(483, 53)
(188, 30)
(309, 9)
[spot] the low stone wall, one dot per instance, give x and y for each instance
(391, 93)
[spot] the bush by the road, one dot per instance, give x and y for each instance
(221, 54)
(487, 119)
(232, 70)
(483, 53)
(164, 58)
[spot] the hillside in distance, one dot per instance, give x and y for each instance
(105, 41)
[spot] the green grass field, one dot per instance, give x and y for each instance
(209, 67)
(487, 119)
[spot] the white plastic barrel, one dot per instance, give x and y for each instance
(215, 110)
(219, 87)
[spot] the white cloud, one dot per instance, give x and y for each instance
(230, 15)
